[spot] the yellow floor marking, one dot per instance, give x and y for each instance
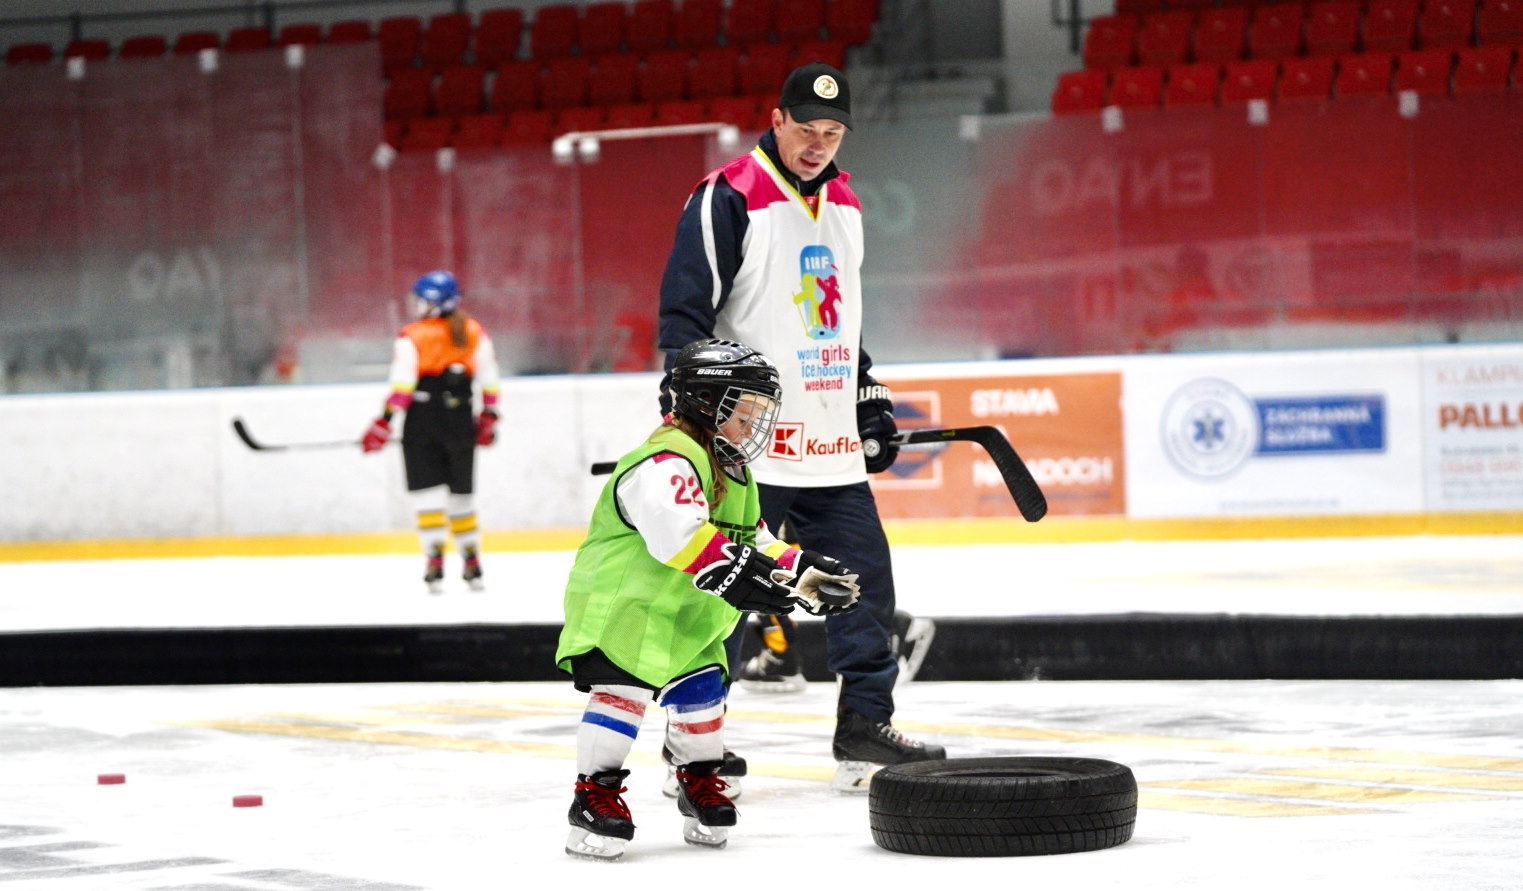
(1236, 807)
(1318, 791)
(1439, 778)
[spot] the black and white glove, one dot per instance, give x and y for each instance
(823, 586)
(748, 580)
(876, 427)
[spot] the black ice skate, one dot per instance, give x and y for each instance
(600, 820)
(770, 672)
(708, 811)
(433, 572)
(733, 768)
(861, 746)
(473, 573)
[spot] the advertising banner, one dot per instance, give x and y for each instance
(1065, 425)
(1473, 423)
(1274, 434)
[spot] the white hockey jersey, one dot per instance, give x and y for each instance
(797, 298)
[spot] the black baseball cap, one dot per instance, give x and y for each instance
(817, 91)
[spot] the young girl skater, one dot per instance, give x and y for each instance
(674, 553)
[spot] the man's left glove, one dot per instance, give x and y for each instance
(875, 425)
(375, 437)
(486, 427)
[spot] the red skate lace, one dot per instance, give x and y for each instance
(604, 801)
(705, 791)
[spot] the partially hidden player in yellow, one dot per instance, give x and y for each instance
(676, 551)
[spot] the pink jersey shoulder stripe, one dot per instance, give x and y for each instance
(838, 191)
(751, 180)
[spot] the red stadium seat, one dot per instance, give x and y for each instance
(612, 80)
(143, 46)
(1140, 86)
(1248, 79)
(764, 68)
(349, 31)
(408, 95)
(602, 28)
(29, 54)
(1424, 71)
(1138, 7)
(681, 111)
(478, 131)
(1364, 73)
(580, 120)
(300, 34)
(498, 35)
(1164, 37)
(629, 115)
(1445, 23)
(1275, 31)
(1079, 91)
(1192, 84)
(697, 23)
(1221, 34)
(713, 73)
(552, 33)
(1482, 70)
(515, 87)
(392, 133)
(93, 49)
(1306, 78)
(663, 77)
(1110, 41)
(650, 26)
(1388, 25)
(747, 22)
(462, 91)
(243, 40)
(851, 21)
(528, 126)
(399, 37)
(831, 52)
(563, 82)
(1332, 27)
(798, 20)
(745, 112)
(445, 41)
(1500, 23)
(192, 42)
(427, 134)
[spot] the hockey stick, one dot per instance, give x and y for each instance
(1018, 479)
(256, 445)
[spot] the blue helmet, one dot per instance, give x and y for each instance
(437, 294)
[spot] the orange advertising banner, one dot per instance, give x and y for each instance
(1067, 428)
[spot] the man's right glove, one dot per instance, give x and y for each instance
(748, 580)
(823, 586)
(375, 438)
(876, 427)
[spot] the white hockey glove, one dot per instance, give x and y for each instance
(822, 586)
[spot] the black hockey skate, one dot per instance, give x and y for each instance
(473, 573)
(433, 572)
(861, 746)
(600, 820)
(708, 812)
(733, 768)
(776, 668)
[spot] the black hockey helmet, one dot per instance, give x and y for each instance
(729, 389)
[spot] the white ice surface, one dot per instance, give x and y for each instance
(1407, 575)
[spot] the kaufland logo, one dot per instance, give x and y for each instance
(787, 442)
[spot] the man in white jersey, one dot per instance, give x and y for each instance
(768, 251)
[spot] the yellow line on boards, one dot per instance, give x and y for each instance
(991, 530)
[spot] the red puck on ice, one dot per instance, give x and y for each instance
(248, 800)
(111, 779)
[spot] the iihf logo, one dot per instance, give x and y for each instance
(819, 296)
